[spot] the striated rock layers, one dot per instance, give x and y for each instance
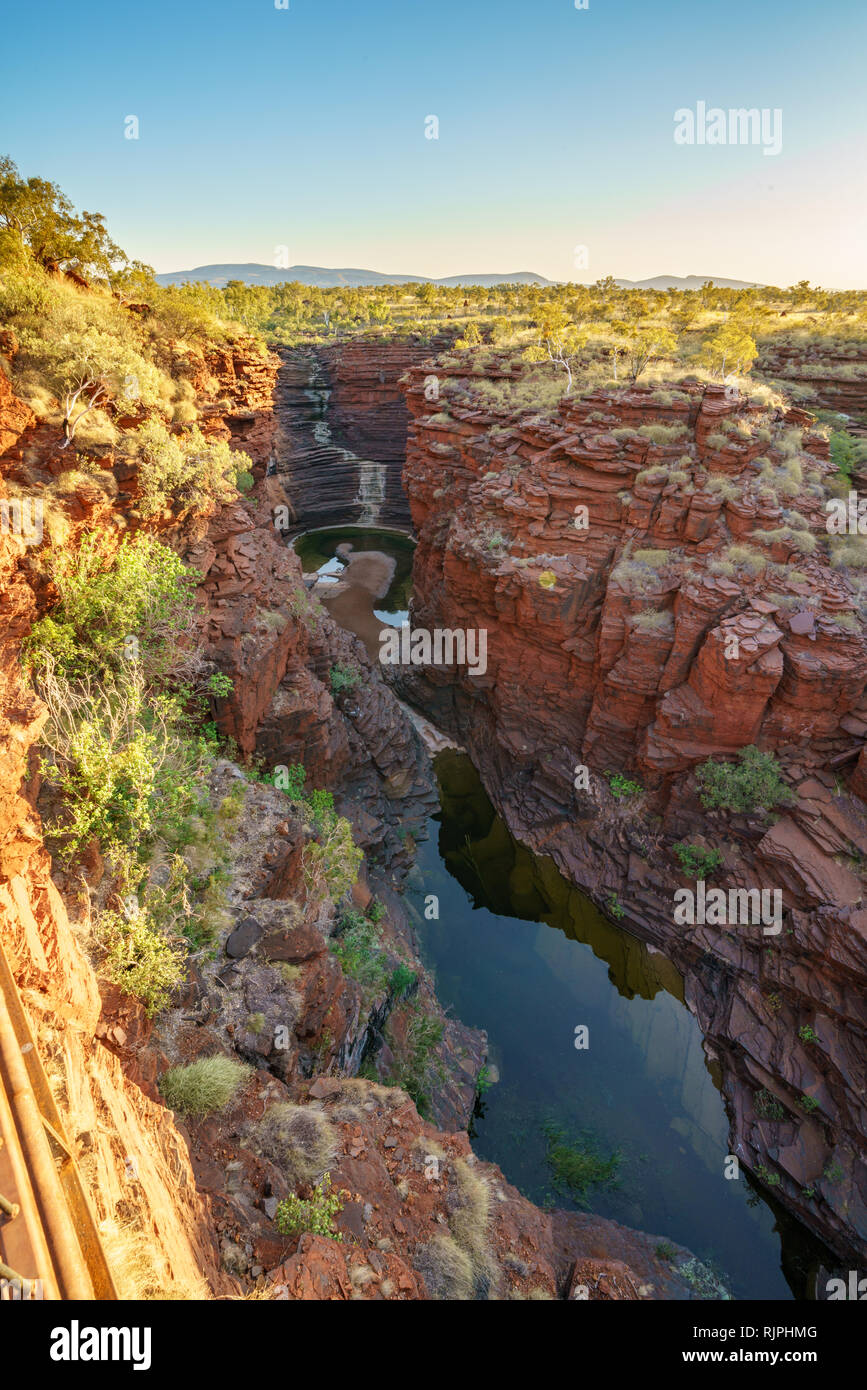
(637, 625)
(833, 375)
(341, 435)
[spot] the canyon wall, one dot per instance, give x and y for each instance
(631, 630)
(834, 376)
(341, 436)
(186, 1207)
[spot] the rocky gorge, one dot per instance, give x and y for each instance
(578, 677)
(574, 678)
(185, 1207)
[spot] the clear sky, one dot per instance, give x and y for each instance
(305, 127)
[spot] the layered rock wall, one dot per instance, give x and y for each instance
(636, 626)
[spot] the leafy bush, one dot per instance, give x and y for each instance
(316, 1214)
(334, 860)
(137, 605)
(358, 948)
(696, 861)
(414, 1071)
(622, 787)
(847, 452)
(766, 1105)
(401, 980)
(204, 1086)
(753, 784)
(117, 663)
(141, 958)
(344, 678)
(187, 472)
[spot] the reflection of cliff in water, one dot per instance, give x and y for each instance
(646, 1087)
(509, 879)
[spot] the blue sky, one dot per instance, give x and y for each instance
(305, 127)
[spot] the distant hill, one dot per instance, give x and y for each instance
(317, 275)
(686, 282)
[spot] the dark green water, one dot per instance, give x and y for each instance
(317, 551)
(524, 955)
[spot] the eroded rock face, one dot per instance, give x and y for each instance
(833, 375)
(628, 638)
(195, 1201)
(341, 437)
(134, 1162)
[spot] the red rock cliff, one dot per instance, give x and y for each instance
(636, 625)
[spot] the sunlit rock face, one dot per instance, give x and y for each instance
(637, 626)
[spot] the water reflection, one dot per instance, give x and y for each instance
(643, 1087)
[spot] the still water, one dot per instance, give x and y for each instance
(521, 953)
(317, 551)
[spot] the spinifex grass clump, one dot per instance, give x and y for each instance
(577, 1165)
(204, 1086)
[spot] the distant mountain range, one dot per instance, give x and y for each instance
(316, 275)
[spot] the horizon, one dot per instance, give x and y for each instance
(320, 151)
(414, 275)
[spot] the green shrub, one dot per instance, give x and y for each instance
(847, 452)
(185, 472)
(358, 948)
(414, 1071)
(767, 1107)
(204, 1086)
(622, 787)
(140, 958)
(401, 980)
(333, 861)
(344, 677)
(753, 784)
(696, 861)
(316, 1214)
(136, 605)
